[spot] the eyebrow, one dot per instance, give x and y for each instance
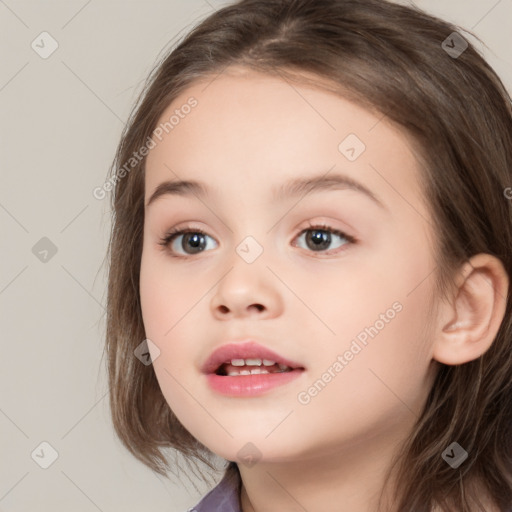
(293, 188)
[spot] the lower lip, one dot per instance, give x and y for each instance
(250, 385)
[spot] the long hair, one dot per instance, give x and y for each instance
(397, 61)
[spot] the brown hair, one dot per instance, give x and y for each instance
(457, 113)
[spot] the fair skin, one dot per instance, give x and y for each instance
(251, 133)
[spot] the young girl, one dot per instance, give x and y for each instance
(312, 244)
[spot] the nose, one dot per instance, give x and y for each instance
(247, 291)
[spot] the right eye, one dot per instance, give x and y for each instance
(185, 238)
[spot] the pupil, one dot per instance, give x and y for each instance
(321, 239)
(196, 241)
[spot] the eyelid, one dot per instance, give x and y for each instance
(322, 226)
(171, 234)
(180, 230)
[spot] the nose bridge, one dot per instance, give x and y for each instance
(246, 265)
(255, 238)
(247, 286)
(250, 249)
(250, 228)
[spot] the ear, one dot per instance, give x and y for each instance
(470, 322)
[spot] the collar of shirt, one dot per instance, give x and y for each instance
(224, 497)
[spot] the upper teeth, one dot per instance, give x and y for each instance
(256, 363)
(252, 362)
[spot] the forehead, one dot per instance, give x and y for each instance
(251, 132)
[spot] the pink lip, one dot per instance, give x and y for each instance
(250, 385)
(245, 350)
(247, 385)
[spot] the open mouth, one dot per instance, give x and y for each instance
(237, 367)
(248, 369)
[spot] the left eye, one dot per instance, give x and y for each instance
(318, 239)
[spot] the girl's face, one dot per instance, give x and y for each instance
(332, 277)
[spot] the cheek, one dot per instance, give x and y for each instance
(166, 311)
(154, 300)
(382, 325)
(384, 384)
(166, 308)
(165, 296)
(396, 361)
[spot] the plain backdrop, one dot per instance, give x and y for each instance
(61, 118)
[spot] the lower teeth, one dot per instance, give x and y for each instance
(256, 371)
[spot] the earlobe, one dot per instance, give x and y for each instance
(472, 319)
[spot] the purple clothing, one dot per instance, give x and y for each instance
(225, 497)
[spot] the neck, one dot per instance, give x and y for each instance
(351, 479)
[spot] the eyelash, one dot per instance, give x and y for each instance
(172, 234)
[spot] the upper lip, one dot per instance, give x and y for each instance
(243, 350)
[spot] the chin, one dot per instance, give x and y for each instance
(249, 449)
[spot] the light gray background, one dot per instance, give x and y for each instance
(61, 118)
